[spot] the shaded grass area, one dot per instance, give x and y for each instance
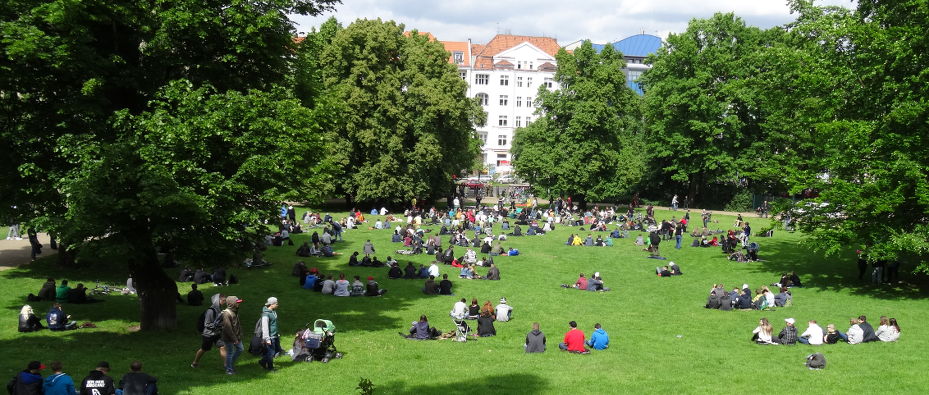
(662, 340)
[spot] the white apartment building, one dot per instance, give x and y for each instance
(505, 75)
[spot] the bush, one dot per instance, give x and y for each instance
(742, 201)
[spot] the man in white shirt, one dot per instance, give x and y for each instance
(504, 311)
(813, 334)
(434, 270)
(460, 310)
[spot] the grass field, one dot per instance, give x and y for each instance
(662, 339)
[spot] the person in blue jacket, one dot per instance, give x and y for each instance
(59, 383)
(599, 340)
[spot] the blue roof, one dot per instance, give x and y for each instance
(639, 45)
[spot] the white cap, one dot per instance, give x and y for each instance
(790, 321)
(670, 263)
(744, 286)
(271, 300)
(597, 274)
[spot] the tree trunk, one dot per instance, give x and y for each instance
(65, 254)
(157, 291)
(581, 202)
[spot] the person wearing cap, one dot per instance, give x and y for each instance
(29, 381)
(137, 382)
(788, 335)
(599, 339)
(98, 382)
(573, 340)
(269, 333)
(372, 289)
(232, 332)
(59, 383)
(504, 311)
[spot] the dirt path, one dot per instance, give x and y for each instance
(18, 252)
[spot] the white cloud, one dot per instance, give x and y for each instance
(598, 20)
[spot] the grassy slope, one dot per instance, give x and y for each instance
(644, 316)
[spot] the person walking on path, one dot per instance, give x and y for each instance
(232, 332)
(212, 330)
(270, 334)
(674, 203)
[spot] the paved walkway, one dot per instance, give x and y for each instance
(18, 252)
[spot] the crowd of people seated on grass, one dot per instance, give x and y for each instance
(741, 298)
(337, 286)
(98, 381)
(56, 320)
(671, 269)
(589, 241)
(859, 331)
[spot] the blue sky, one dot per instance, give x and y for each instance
(567, 21)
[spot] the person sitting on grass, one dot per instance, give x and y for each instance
(466, 273)
(888, 331)
(581, 283)
(474, 310)
(47, 292)
(29, 380)
(599, 339)
(410, 272)
(512, 252)
(788, 335)
(138, 382)
(595, 283)
(573, 340)
(341, 286)
(493, 273)
(394, 272)
(675, 269)
(868, 334)
(832, 335)
(353, 260)
(372, 289)
(28, 321)
(61, 293)
(57, 320)
(535, 340)
(783, 298)
(328, 286)
(485, 325)
(503, 311)
(194, 297)
(358, 288)
(430, 288)
(663, 271)
(813, 335)
(420, 330)
(445, 286)
(762, 333)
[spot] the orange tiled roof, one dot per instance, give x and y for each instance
(459, 46)
(503, 42)
(427, 34)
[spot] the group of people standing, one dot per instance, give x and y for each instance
(222, 328)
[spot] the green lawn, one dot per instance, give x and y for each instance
(662, 339)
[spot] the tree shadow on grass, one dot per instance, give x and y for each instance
(517, 383)
(831, 273)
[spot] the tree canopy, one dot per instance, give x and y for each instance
(586, 142)
(406, 123)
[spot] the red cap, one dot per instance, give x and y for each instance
(370, 278)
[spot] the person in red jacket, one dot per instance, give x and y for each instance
(574, 340)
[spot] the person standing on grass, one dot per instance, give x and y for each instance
(59, 383)
(136, 382)
(674, 203)
(535, 340)
(573, 340)
(212, 330)
(270, 334)
(98, 382)
(232, 332)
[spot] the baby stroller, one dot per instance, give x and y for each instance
(316, 342)
(461, 329)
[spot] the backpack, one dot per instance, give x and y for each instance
(816, 361)
(213, 326)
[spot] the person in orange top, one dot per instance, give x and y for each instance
(574, 340)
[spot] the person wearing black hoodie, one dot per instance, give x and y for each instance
(410, 272)
(869, 335)
(97, 382)
(535, 340)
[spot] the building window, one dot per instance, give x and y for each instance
(519, 121)
(483, 137)
(463, 75)
(482, 98)
(504, 80)
(528, 101)
(548, 83)
(528, 82)
(519, 82)
(501, 158)
(501, 141)
(530, 66)
(634, 75)
(458, 57)
(519, 101)
(504, 99)
(501, 121)
(481, 79)
(528, 120)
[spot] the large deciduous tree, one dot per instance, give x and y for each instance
(700, 114)
(407, 125)
(75, 77)
(586, 142)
